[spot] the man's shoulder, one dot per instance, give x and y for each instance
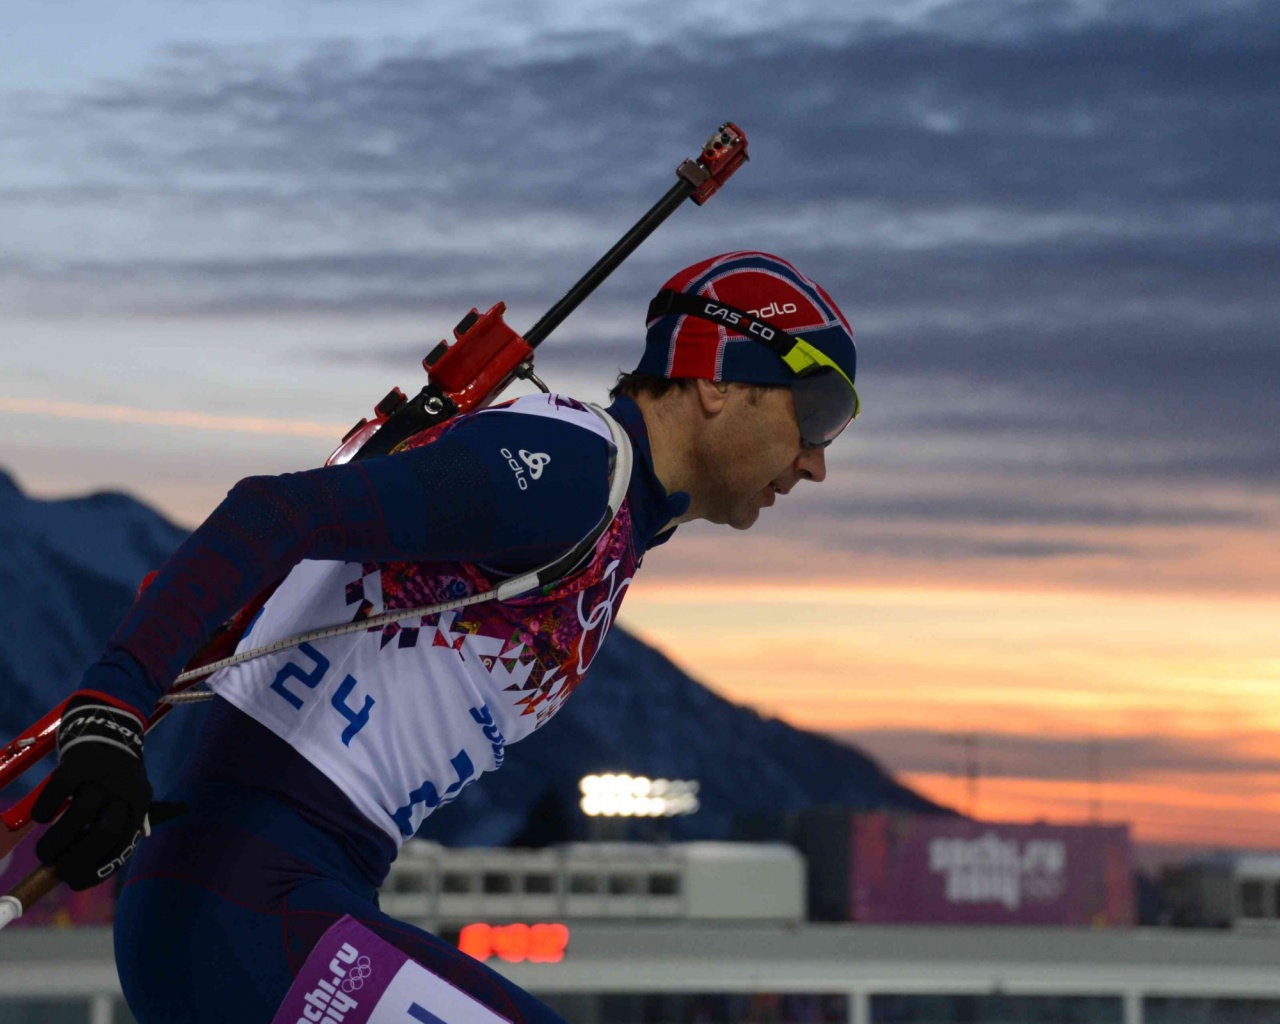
(555, 439)
(560, 408)
(550, 460)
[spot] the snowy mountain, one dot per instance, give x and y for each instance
(68, 571)
(638, 712)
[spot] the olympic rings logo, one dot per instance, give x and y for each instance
(600, 617)
(357, 975)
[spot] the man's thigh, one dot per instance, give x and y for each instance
(191, 949)
(397, 973)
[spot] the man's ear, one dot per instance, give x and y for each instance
(711, 395)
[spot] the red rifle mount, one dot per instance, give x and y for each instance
(485, 356)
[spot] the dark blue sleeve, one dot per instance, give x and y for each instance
(505, 489)
(501, 488)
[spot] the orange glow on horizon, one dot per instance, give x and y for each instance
(172, 418)
(1192, 810)
(1186, 673)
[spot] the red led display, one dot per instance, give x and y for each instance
(515, 943)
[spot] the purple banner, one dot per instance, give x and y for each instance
(343, 979)
(917, 869)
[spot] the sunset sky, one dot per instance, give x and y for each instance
(1048, 547)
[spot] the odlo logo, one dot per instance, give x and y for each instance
(117, 862)
(534, 460)
(773, 309)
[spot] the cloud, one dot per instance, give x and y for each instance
(977, 168)
(1055, 226)
(168, 418)
(1108, 119)
(973, 99)
(964, 545)
(1118, 758)
(1006, 509)
(959, 546)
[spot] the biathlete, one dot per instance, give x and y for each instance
(259, 903)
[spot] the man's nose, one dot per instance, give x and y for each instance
(811, 464)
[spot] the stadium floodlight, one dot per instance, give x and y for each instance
(635, 796)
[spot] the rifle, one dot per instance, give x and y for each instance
(486, 356)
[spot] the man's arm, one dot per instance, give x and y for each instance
(459, 498)
(465, 497)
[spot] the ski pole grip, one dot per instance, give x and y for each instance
(36, 886)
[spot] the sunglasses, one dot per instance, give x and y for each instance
(826, 400)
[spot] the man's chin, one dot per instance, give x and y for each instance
(745, 519)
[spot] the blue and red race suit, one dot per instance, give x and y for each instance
(318, 761)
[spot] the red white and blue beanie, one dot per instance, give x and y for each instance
(679, 345)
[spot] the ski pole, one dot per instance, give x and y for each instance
(36, 886)
(43, 880)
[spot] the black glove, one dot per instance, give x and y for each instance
(100, 769)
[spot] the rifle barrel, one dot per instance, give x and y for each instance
(625, 246)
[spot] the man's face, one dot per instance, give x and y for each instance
(754, 455)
